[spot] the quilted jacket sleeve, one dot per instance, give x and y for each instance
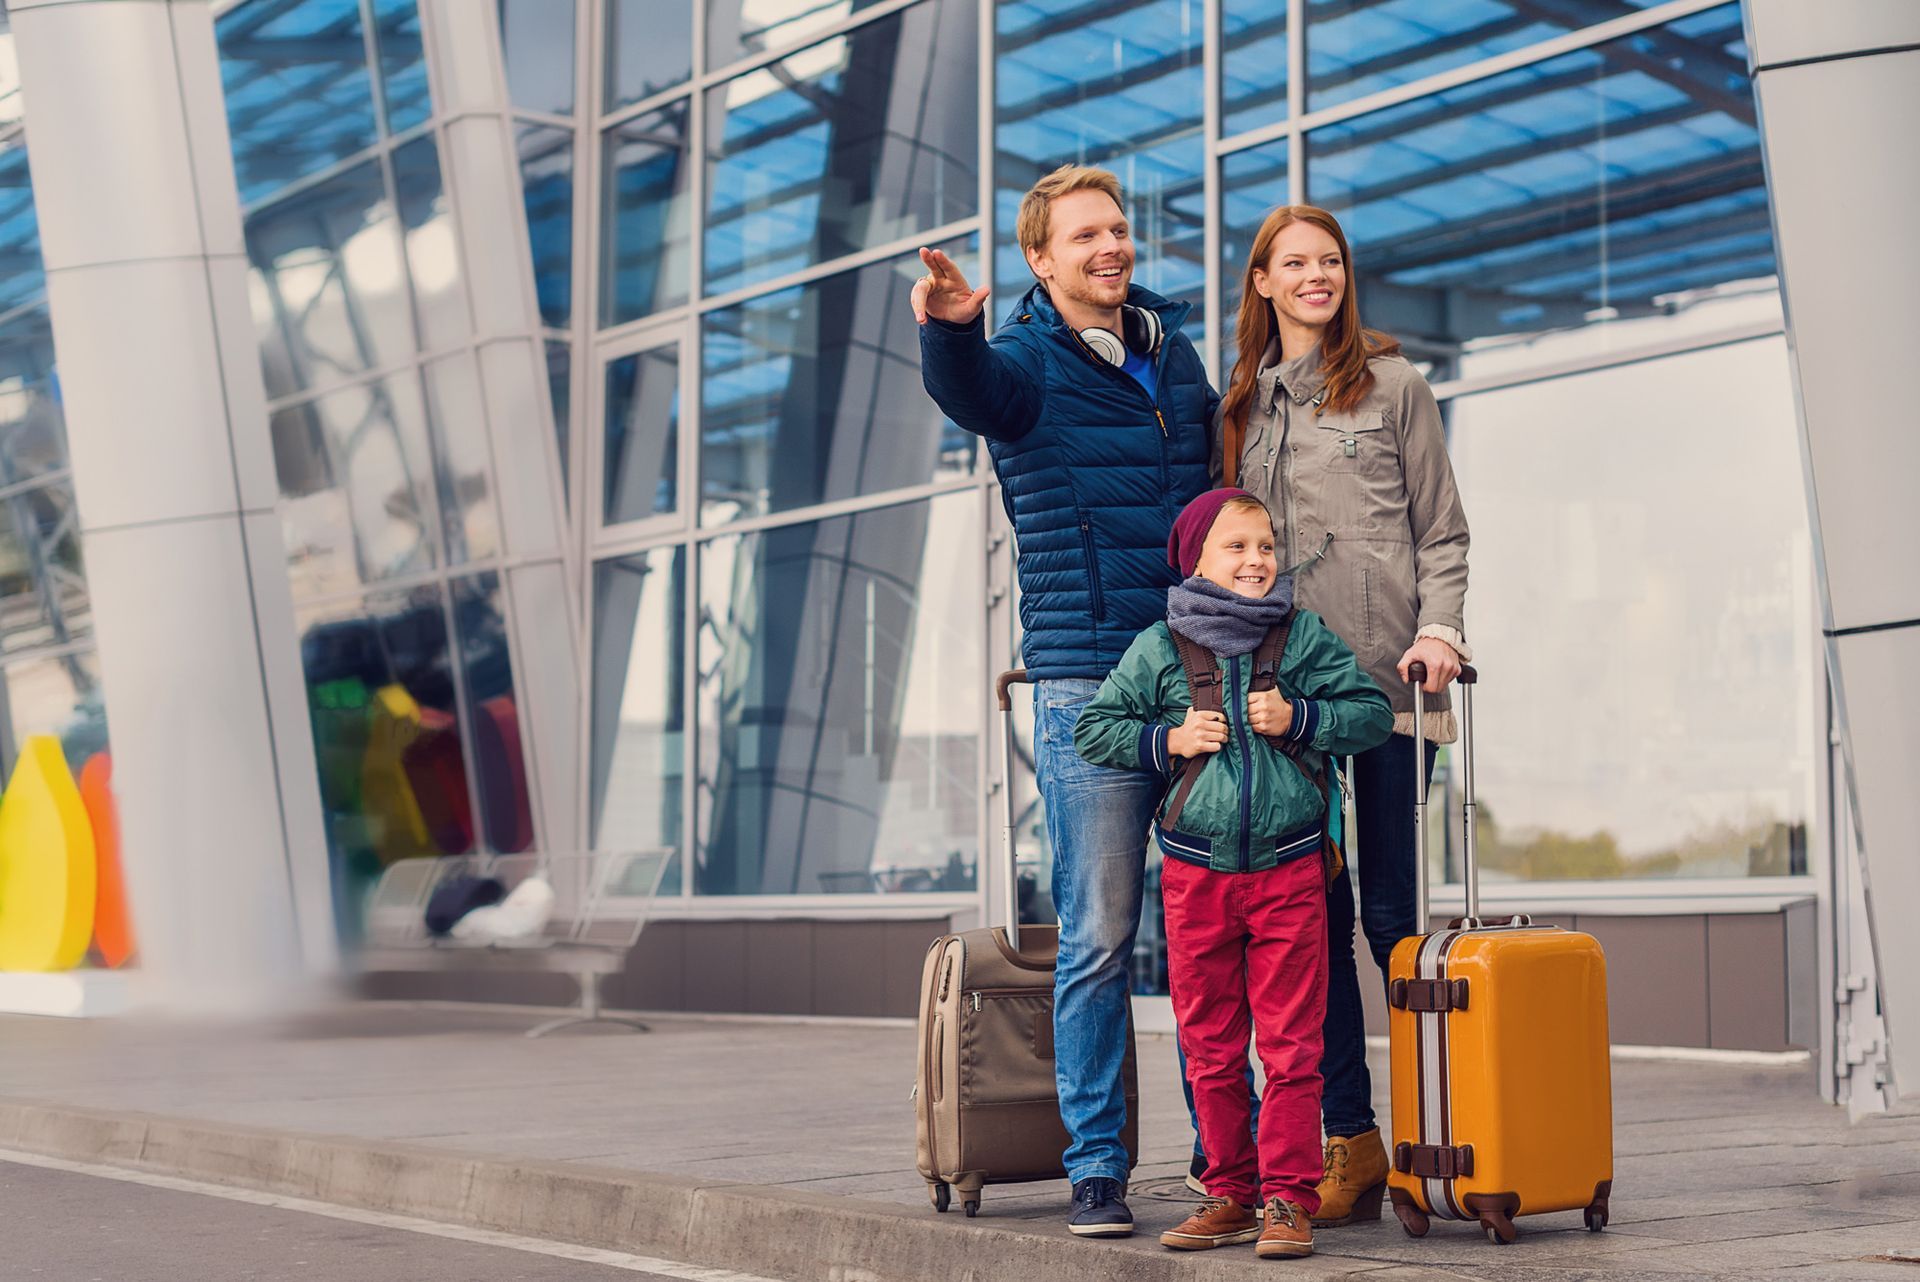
(994, 389)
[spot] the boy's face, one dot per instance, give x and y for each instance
(1238, 553)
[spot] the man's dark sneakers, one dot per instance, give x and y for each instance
(1100, 1209)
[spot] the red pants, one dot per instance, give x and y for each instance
(1247, 954)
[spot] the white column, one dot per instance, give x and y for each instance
(173, 469)
(481, 162)
(1839, 87)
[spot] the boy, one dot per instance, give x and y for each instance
(1243, 829)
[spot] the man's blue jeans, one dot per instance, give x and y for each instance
(1098, 821)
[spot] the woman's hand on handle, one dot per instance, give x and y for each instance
(1199, 734)
(943, 293)
(1441, 661)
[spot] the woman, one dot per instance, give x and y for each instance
(1341, 436)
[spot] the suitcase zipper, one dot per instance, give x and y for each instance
(979, 993)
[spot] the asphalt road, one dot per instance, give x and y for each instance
(65, 1224)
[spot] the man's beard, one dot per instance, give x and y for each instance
(1081, 289)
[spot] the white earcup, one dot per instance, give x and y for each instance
(1105, 344)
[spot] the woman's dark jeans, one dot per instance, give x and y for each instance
(1383, 789)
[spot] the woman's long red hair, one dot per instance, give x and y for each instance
(1345, 346)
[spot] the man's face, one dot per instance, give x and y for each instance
(1089, 253)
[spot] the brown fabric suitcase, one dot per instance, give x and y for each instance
(985, 1106)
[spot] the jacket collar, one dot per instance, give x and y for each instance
(1036, 307)
(1301, 379)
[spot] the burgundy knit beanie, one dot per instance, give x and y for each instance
(1190, 529)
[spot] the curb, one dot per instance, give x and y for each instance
(785, 1234)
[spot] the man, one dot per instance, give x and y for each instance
(1096, 409)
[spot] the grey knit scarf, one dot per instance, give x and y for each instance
(1224, 621)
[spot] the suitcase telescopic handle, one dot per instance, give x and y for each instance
(1003, 693)
(1417, 676)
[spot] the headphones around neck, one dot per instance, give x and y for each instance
(1141, 330)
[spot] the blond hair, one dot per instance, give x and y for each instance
(1035, 223)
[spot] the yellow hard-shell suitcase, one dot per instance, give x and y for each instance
(1502, 1094)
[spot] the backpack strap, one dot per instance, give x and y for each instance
(1203, 684)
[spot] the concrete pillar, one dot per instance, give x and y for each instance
(1838, 85)
(173, 469)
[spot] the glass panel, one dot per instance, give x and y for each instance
(499, 755)
(639, 716)
(841, 690)
(560, 384)
(22, 277)
(738, 29)
(641, 462)
(298, 94)
(862, 139)
(403, 63)
(1617, 182)
(354, 475)
(1358, 47)
(644, 254)
(649, 48)
(469, 512)
(329, 284)
(433, 252)
(1252, 183)
(1253, 76)
(11, 107)
(33, 430)
(537, 38)
(1592, 561)
(60, 697)
(813, 394)
(43, 587)
(546, 181)
(386, 738)
(1118, 86)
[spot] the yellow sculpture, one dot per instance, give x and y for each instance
(47, 863)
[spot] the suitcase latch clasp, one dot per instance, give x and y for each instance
(1427, 995)
(1433, 1161)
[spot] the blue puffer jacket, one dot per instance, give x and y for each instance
(1092, 472)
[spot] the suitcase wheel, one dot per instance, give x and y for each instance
(1596, 1217)
(1412, 1218)
(940, 1195)
(973, 1206)
(1500, 1230)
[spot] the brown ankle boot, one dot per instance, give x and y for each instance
(1288, 1230)
(1355, 1179)
(1218, 1221)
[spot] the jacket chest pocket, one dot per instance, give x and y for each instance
(1356, 442)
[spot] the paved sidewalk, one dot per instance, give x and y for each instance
(1720, 1170)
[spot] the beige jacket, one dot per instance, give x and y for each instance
(1367, 499)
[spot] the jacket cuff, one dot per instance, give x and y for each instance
(1441, 632)
(1306, 720)
(1153, 749)
(938, 326)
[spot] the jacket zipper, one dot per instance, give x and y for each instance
(1234, 705)
(1093, 570)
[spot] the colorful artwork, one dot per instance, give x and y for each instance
(112, 921)
(48, 867)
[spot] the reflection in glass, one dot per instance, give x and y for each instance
(43, 587)
(1253, 64)
(537, 38)
(546, 181)
(60, 697)
(386, 738)
(329, 283)
(858, 140)
(469, 512)
(643, 435)
(1613, 182)
(298, 94)
(649, 48)
(22, 277)
(355, 477)
(560, 385)
(1589, 560)
(1118, 86)
(33, 430)
(813, 394)
(1252, 183)
(403, 63)
(433, 254)
(738, 29)
(639, 719)
(499, 755)
(644, 258)
(840, 686)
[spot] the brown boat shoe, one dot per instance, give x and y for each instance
(1217, 1221)
(1288, 1231)
(1354, 1180)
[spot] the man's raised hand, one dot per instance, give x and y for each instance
(943, 293)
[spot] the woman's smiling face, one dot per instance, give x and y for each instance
(1305, 277)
